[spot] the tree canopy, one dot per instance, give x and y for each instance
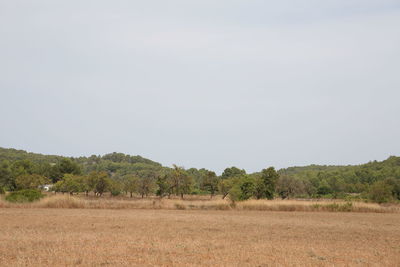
(378, 181)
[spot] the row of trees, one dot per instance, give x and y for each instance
(176, 181)
(117, 173)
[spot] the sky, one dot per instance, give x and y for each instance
(206, 83)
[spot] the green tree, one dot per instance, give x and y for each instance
(241, 188)
(115, 187)
(145, 185)
(19, 168)
(99, 181)
(6, 178)
(73, 183)
(30, 181)
(247, 188)
(232, 172)
(102, 183)
(224, 186)
(181, 181)
(210, 182)
(287, 186)
(91, 181)
(130, 184)
(324, 188)
(22, 167)
(64, 166)
(395, 185)
(235, 193)
(59, 186)
(266, 187)
(164, 186)
(69, 166)
(42, 168)
(381, 192)
(337, 185)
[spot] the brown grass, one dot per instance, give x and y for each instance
(99, 237)
(80, 202)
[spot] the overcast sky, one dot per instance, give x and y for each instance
(203, 83)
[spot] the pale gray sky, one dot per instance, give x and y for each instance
(203, 83)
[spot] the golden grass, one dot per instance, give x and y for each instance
(317, 205)
(80, 202)
(139, 237)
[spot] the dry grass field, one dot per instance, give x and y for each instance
(146, 237)
(201, 203)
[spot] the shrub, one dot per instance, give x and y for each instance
(115, 192)
(27, 195)
(2, 191)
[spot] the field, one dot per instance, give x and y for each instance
(143, 237)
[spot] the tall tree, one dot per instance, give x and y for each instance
(210, 182)
(130, 184)
(288, 186)
(164, 185)
(267, 185)
(99, 182)
(182, 182)
(224, 186)
(145, 185)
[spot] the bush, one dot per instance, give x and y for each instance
(27, 195)
(2, 191)
(115, 192)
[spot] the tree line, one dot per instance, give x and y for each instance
(117, 173)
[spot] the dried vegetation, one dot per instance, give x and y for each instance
(145, 237)
(202, 203)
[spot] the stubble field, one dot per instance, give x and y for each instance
(54, 237)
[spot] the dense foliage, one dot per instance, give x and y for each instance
(118, 173)
(26, 195)
(335, 181)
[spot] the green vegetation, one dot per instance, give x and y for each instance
(26, 195)
(117, 173)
